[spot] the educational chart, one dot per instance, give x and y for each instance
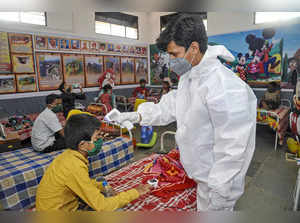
(20, 43)
(5, 63)
(49, 68)
(7, 84)
(93, 69)
(141, 69)
(26, 82)
(112, 64)
(73, 68)
(22, 63)
(127, 70)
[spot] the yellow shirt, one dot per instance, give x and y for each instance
(67, 178)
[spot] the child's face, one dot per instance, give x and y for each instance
(89, 145)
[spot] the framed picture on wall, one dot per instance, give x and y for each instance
(22, 63)
(125, 49)
(7, 84)
(73, 69)
(127, 70)
(110, 47)
(84, 45)
(75, 44)
(26, 82)
(41, 42)
(141, 69)
(118, 48)
(132, 50)
(94, 46)
(65, 44)
(93, 69)
(5, 62)
(144, 51)
(49, 69)
(20, 43)
(113, 63)
(138, 50)
(103, 47)
(53, 43)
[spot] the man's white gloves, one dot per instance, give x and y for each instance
(133, 117)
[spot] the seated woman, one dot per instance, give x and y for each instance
(107, 98)
(271, 98)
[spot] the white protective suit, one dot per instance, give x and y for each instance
(216, 125)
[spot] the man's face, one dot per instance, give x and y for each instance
(176, 51)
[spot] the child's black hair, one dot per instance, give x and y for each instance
(79, 128)
(51, 98)
(107, 87)
(273, 86)
(143, 81)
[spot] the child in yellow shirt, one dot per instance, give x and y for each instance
(67, 179)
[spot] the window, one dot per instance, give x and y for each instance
(116, 24)
(265, 17)
(166, 18)
(36, 18)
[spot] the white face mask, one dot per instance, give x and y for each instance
(180, 65)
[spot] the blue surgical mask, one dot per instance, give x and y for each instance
(180, 65)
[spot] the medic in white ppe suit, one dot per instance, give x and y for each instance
(215, 113)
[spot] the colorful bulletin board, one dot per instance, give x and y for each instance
(49, 68)
(30, 63)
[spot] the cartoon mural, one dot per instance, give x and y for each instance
(263, 56)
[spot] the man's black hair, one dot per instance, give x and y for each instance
(79, 128)
(143, 81)
(51, 98)
(183, 30)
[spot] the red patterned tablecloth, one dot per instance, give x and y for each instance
(132, 175)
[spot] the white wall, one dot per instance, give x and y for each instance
(79, 22)
(228, 22)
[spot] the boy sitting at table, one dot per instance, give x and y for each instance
(141, 92)
(67, 179)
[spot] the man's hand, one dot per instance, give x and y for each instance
(143, 189)
(132, 117)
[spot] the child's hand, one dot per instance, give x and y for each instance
(143, 189)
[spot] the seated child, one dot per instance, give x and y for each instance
(271, 99)
(106, 97)
(67, 179)
(165, 88)
(141, 92)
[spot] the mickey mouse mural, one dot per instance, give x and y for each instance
(241, 67)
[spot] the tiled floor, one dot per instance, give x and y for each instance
(270, 179)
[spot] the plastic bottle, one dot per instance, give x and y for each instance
(144, 135)
(107, 190)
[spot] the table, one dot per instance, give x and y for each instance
(22, 170)
(132, 175)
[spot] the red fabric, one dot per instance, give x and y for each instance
(294, 119)
(133, 175)
(170, 174)
(106, 100)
